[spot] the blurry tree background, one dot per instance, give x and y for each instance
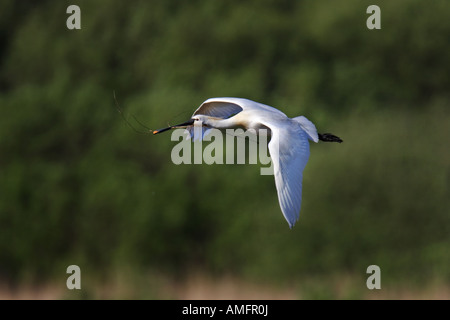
(78, 186)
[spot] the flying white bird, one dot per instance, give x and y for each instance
(288, 146)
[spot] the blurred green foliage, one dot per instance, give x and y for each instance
(78, 186)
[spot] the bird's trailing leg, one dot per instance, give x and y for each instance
(328, 137)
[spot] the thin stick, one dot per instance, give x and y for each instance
(176, 116)
(126, 120)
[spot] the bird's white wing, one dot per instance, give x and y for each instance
(289, 151)
(219, 108)
(227, 107)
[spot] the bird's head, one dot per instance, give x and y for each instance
(200, 119)
(204, 120)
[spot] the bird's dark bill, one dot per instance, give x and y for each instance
(184, 124)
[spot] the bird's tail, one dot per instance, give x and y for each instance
(308, 127)
(328, 137)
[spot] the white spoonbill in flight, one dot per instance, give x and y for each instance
(288, 146)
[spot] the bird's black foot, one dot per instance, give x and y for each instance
(328, 137)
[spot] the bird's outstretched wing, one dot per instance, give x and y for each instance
(219, 108)
(289, 151)
(226, 107)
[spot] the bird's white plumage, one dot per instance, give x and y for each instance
(212, 106)
(289, 150)
(218, 109)
(308, 127)
(288, 147)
